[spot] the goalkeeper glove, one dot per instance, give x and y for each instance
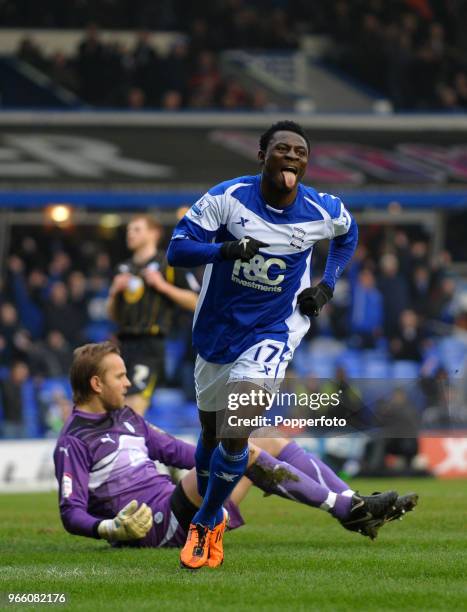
(243, 249)
(131, 523)
(311, 300)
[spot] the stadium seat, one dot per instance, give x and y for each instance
(99, 331)
(351, 361)
(378, 368)
(301, 361)
(174, 351)
(453, 355)
(323, 368)
(405, 369)
(167, 409)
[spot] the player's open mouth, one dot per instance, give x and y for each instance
(289, 176)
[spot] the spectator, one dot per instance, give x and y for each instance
(419, 253)
(62, 72)
(338, 310)
(30, 253)
(172, 100)
(420, 290)
(408, 343)
(176, 69)
(205, 82)
(30, 52)
(61, 315)
(59, 267)
(136, 99)
(233, 97)
(366, 317)
(443, 300)
(51, 358)
(398, 423)
(56, 411)
(91, 66)
(146, 69)
(460, 81)
(394, 290)
(403, 252)
(29, 309)
(9, 329)
(436, 389)
(13, 425)
(103, 266)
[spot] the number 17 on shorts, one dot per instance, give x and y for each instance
(263, 363)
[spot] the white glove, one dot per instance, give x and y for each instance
(131, 523)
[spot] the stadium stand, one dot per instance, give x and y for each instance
(410, 52)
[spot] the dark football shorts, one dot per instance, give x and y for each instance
(145, 363)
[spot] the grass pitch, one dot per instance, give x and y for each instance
(287, 557)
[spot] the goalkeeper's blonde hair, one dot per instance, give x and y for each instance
(87, 362)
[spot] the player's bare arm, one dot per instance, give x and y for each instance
(119, 284)
(182, 297)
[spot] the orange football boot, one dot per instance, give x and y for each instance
(216, 547)
(195, 552)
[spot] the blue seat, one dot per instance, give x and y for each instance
(174, 351)
(99, 331)
(453, 355)
(376, 368)
(301, 362)
(403, 369)
(351, 361)
(323, 368)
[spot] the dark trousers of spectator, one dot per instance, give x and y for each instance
(376, 451)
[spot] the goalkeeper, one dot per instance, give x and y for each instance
(110, 488)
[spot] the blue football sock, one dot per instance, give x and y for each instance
(225, 469)
(202, 460)
(219, 516)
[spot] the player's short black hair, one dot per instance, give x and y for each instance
(282, 126)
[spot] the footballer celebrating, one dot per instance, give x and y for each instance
(256, 236)
(142, 299)
(109, 485)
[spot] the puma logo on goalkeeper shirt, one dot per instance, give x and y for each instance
(107, 438)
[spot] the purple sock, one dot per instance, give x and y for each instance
(281, 478)
(313, 467)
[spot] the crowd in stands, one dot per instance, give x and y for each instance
(411, 51)
(395, 299)
(106, 74)
(396, 295)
